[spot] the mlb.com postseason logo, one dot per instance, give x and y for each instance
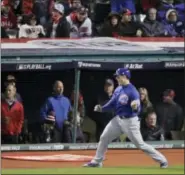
(88, 65)
(33, 67)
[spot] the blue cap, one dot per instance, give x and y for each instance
(123, 71)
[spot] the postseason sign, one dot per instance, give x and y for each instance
(91, 53)
(90, 65)
(90, 46)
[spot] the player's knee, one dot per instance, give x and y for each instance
(103, 137)
(141, 146)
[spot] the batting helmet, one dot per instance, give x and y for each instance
(123, 71)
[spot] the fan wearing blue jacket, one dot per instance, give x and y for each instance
(118, 5)
(55, 114)
(173, 26)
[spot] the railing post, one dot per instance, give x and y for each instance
(76, 96)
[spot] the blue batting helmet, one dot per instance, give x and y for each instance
(123, 71)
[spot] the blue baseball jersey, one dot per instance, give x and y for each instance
(121, 101)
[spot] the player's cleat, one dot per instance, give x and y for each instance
(93, 164)
(164, 165)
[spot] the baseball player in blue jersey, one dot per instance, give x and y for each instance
(126, 103)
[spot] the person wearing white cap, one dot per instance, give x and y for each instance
(173, 26)
(59, 27)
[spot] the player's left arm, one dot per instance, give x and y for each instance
(135, 100)
(110, 104)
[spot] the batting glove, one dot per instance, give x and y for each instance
(135, 104)
(98, 108)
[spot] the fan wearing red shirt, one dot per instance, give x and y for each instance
(12, 116)
(8, 18)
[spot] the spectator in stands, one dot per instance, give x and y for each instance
(169, 113)
(73, 6)
(43, 10)
(151, 131)
(147, 4)
(31, 29)
(173, 27)
(12, 116)
(59, 27)
(151, 27)
(16, 6)
(129, 28)
(11, 80)
(8, 18)
(145, 104)
(118, 5)
(27, 7)
(100, 12)
(170, 4)
(80, 23)
(55, 114)
(111, 27)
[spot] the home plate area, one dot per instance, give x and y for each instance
(53, 158)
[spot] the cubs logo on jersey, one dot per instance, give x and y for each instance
(123, 99)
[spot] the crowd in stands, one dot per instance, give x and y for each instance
(158, 122)
(90, 18)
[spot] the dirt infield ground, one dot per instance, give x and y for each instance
(114, 158)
